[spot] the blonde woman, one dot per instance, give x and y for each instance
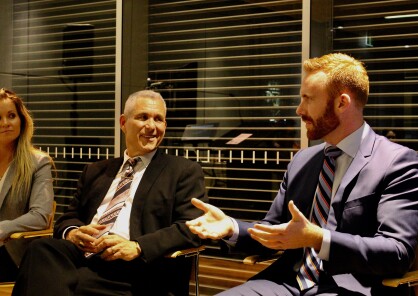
(26, 193)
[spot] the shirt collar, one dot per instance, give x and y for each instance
(350, 144)
(145, 159)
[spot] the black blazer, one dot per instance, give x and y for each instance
(161, 206)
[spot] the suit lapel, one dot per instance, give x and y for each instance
(360, 160)
(151, 174)
(149, 178)
(7, 184)
(105, 180)
(305, 193)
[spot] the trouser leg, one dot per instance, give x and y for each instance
(259, 287)
(8, 269)
(49, 268)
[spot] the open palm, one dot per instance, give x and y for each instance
(213, 224)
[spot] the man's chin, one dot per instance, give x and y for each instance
(149, 147)
(312, 135)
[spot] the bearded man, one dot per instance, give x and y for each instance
(347, 210)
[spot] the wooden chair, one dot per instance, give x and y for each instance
(254, 259)
(192, 252)
(6, 288)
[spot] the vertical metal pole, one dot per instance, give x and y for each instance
(118, 77)
(306, 42)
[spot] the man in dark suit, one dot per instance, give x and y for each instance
(129, 258)
(370, 228)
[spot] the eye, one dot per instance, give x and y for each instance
(141, 117)
(12, 115)
(306, 99)
(159, 119)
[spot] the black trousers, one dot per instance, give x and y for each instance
(54, 267)
(8, 269)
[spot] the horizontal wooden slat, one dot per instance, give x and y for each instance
(217, 275)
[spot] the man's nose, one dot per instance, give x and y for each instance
(150, 123)
(299, 110)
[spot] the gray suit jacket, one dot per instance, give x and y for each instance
(33, 213)
(373, 217)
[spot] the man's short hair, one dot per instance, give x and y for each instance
(344, 72)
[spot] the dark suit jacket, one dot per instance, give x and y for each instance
(160, 209)
(373, 217)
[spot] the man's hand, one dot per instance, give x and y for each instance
(297, 233)
(115, 247)
(83, 237)
(213, 224)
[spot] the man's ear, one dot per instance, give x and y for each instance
(122, 122)
(343, 102)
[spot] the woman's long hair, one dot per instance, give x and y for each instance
(23, 150)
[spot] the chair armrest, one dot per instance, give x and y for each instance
(6, 288)
(186, 252)
(254, 259)
(410, 278)
(30, 234)
(38, 233)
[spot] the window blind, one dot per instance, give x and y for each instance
(63, 66)
(382, 34)
(230, 74)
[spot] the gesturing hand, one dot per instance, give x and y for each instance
(297, 233)
(213, 224)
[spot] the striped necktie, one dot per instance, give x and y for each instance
(110, 215)
(308, 274)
